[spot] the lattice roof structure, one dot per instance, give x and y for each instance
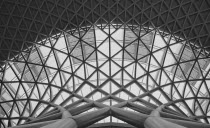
(104, 63)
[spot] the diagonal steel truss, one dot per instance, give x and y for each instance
(111, 70)
(148, 117)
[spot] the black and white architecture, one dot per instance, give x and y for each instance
(105, 63)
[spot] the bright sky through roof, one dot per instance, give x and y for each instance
(100, 63)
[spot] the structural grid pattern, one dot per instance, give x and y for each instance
(104, 63)
(135, 69)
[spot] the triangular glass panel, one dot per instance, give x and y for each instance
(164, 78)
(106, 87)
(80, 71)
(77, 55)
(47, 95)
(118, 77)
(202, 92)
(134, 88)
(115, 47)
(69, 85)
(51, 62)
(175, 94)
(119, 55)
(21, 91)
(127, 77)
(104, 48)
(41, 88)
(89, 52)
(140, 71)
(130, 36)
(113, 87)
(66, 66)
(106, 68)
(7, 96)
(130, 52)
(178, 73)
(89, 36)
(159, 42)
(188, 91)
(115, 68)
(123, 95)
(97, 95)
(169, 59)
(154, 64)
(167, 90)
(102, 75)
(130, 69)
(100, 35)
(85, 90)
(118, 34)
(186, 68)
(143, 53)
(101, 56)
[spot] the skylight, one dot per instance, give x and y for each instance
(109, 60)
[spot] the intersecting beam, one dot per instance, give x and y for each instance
(155, 121)
(80, 109)
(189, 124)
(35, 125)
(111, 124)
(87, 119)
(135, 119)
(62, 123)
(91, 104)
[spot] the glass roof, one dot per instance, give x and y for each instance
(106, 60)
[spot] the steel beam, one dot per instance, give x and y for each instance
(63, 123)
(158, 122)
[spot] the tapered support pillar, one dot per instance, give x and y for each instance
(158, 122)
(155, 121)
(63, 123)
(87, 119)
(135, 119)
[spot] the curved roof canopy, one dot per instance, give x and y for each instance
(25, 21)
(71, 53)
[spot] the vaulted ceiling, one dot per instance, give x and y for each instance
(102, 53)
(25, 21)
